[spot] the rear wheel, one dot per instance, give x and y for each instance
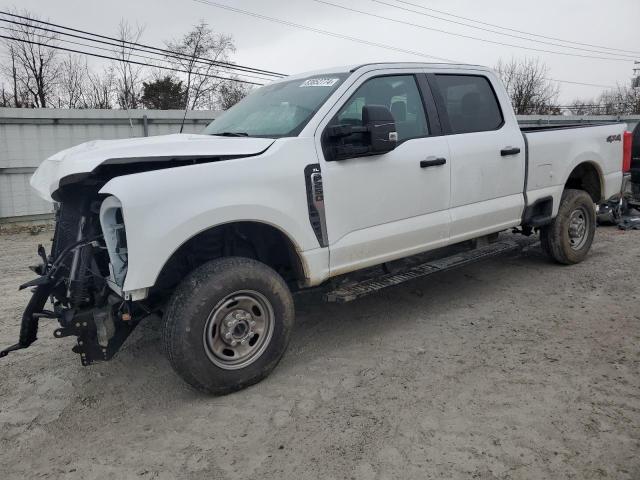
(569, 237)
(228, 324)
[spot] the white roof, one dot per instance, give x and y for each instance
(384, 65)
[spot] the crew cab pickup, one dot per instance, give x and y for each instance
(309, 178)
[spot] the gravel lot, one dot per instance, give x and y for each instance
(513, 368)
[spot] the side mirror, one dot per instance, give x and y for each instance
(381, 127)
(377, 135)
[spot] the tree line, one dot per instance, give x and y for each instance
(35, 75)
(533, 93)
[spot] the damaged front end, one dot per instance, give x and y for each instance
(84, 275)
(82, 278)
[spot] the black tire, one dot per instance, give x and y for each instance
(191, 309)
(556, 239)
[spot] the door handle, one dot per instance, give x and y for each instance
(432, 163)
(509, 151)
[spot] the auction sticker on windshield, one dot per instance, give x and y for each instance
(320, 82)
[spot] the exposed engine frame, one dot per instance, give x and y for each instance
(79, 280)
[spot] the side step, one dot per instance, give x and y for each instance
(352, 291)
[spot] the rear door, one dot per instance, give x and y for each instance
(487, 154)
(383, 207)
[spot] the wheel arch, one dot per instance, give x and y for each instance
(587, 176)
(247, 238)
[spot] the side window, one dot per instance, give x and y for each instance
(399, 94)
(471, 104)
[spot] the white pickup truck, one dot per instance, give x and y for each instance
(307, 179)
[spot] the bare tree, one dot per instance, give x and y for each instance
(128, 75)
(584, 107)
(34, 65)
(623, 100)
(72, 82)
(35, 75)
(230, 93)
(101, 89)
(5, 98)
(14, 95)
(197, 54)
(528, 87)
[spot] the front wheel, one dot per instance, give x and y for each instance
(228, 324)
(569, 237)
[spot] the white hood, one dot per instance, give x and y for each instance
(86, 157)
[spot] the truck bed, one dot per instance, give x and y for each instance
(566, 126)
(553, 151)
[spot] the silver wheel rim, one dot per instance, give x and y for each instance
(579, 225)
(238, 330)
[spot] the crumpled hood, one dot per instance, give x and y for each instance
(86, 157)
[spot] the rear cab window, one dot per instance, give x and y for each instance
(470, 103)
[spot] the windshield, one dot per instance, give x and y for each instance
(278, 110)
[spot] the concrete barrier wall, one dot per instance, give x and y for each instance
(27, 136)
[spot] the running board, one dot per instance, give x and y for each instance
(352, 291)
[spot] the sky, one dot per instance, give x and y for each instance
(277, 47)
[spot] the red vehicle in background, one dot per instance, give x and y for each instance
(624, 210)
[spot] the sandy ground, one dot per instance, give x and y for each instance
(514, 368)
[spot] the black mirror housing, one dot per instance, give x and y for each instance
(377, 135)
(381, 127)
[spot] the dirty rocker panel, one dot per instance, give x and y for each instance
(354, 290)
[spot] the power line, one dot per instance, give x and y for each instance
(101, 42)
(583, 84)
(478, 39)
(161, 50)
(515, 30)
(360, 40)
(56, 47)
(128, 54)
(112, 51)
(136, 45)
(243, 74)
(320, 31)
(498, 32)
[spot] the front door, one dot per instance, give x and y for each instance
(383, 207)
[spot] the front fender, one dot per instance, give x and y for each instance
(163, 209)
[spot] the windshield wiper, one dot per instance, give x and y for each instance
(231, 134)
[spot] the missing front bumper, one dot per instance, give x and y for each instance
(100, 331)
(32, 314)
